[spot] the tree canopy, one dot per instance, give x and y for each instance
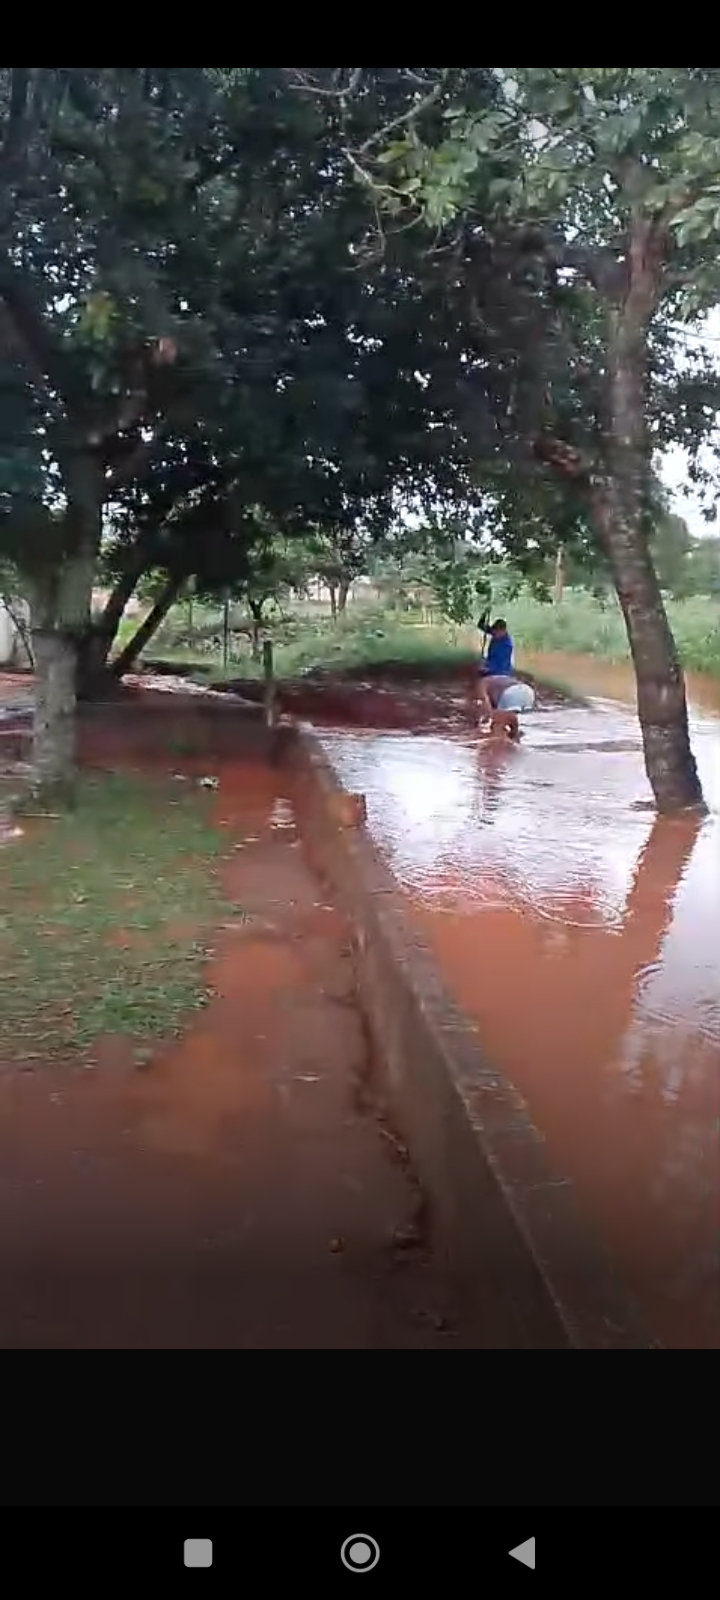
(195, 337)
(308, 300)
(594, 191)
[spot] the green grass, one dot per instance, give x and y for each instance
(364, 639)
(370, 640)
(105, 916)
(368, 637)
(581, 626)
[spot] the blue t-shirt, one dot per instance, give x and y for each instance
(499, 659)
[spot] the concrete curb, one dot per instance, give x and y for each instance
(510, 1232)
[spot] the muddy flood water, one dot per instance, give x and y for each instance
(582, 935)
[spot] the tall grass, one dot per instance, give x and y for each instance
(366, 637)
(369, 641)
(581, 625)
(584, 626)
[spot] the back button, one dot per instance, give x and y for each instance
(525, 1554)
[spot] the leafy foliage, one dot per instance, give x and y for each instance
(241, 306)
(190, 345)
(594, 191)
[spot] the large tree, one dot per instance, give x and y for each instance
(595, 191)
(334, 391)
(107, 179)
(179, 292)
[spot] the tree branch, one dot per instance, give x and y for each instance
(122, 594)
(598, 265)
(14, 143)
(571, 463)
(21, 626)
(418, 109)
(127, 659)
(130, 466)
(344, 91)
(43, 351)
(14, 127)
(301, 78)
(83, 98)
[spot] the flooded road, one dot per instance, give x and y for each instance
(608, 680)
(583, 937)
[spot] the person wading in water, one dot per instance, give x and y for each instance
(502, 698)
(496, 665)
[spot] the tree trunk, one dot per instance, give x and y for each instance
(55, 723)
(257, 611)
(93, 649)
(95, 646)
(226, 634)
(343, 597)
(61, 606)
(129, 656)
(333, 601)
(270, 695)
(560, 576)
(621, 503)
(662, 699)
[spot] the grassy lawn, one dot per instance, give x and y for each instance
(105, 917)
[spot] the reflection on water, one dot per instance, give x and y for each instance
(613, 680)
(583, 935)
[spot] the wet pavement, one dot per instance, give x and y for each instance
(583, 937)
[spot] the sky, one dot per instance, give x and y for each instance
(675, 475)
(675, 467)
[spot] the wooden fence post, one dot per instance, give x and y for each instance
(270, 683)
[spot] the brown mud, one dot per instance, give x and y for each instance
(242, 1188)
(581, 936)
(402, 698)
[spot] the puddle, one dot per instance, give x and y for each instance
(282, 818)
(583, 937)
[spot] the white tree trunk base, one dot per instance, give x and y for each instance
(54, 741)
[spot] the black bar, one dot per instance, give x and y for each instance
(428, 1551)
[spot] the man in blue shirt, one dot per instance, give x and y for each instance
(496, 667)
(498, 662)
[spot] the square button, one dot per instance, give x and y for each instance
(198, 1553)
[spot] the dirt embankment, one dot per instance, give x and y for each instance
(401, 697)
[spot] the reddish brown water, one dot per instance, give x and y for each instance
(241, 1189)
(612, 681)
(584, 937)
